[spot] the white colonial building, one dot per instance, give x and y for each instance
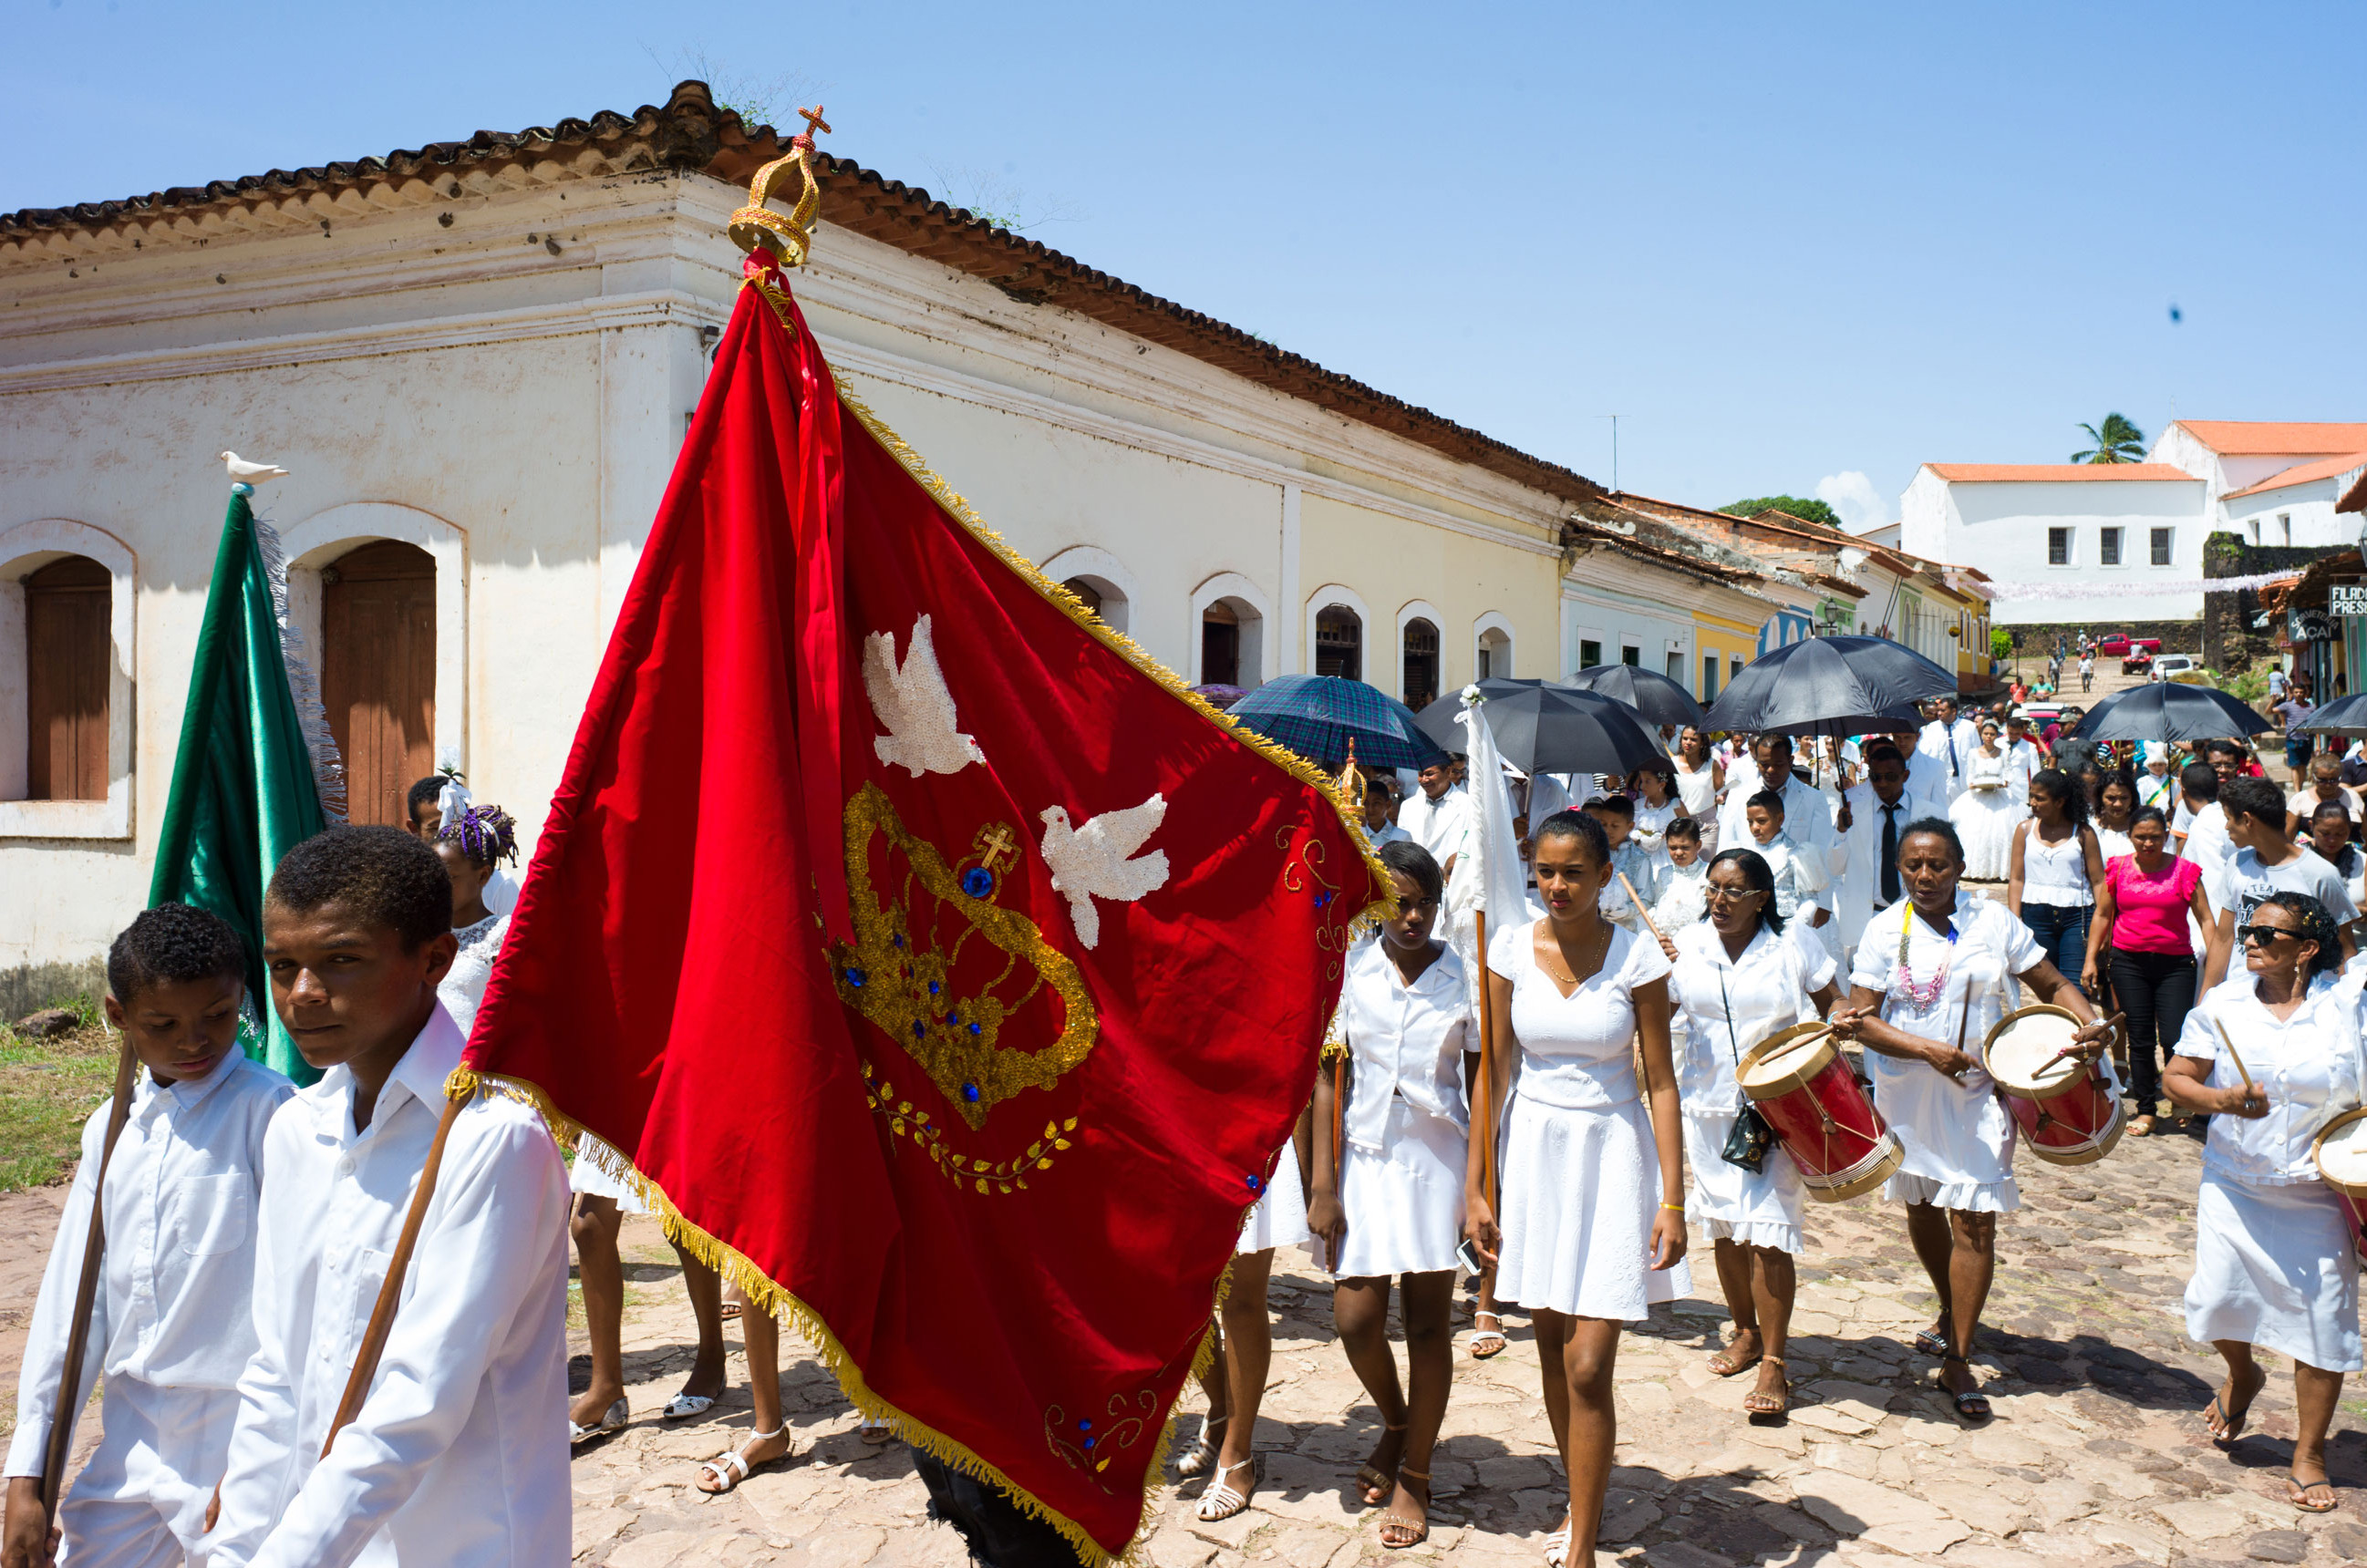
(478, 360)
(2099, 544)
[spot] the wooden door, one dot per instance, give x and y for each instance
(66, 605)
(378, 673)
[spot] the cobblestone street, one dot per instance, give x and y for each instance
(2096, 1454)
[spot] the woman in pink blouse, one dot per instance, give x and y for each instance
(2141, 912)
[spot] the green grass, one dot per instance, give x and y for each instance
(47, 1091)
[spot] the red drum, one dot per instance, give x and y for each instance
(1800, 1082)
(2066, 1107)
(2341, 1156)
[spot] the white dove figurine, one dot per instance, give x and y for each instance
(913, 703)
(247, 473)
(1090, 862)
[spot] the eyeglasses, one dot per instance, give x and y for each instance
(2263, 934)
(1714, 894)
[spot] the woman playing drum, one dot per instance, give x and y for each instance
(1932, 977)
(2274, 1263)
(1589, 1238)
(1738, 978)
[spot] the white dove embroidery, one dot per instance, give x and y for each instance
(913, 703)
(1090, 862)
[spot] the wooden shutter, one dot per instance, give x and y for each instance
(66, 608)
(378, 673)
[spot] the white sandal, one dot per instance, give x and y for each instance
(1479, 1334)
(682, 1406)
(1202, 1453)
(732, 1469)
(612, 1421)
(1223, 1500)
(876, 1431)
(1557, 1548)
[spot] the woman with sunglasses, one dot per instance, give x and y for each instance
(1933, 975)
(2274, 1264)
(1738, 978)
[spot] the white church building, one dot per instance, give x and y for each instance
(2097, 544)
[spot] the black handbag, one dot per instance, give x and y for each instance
(1747, 1143)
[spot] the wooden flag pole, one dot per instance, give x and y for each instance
(389, 1294)
(1486, 1121)
(93, 1247)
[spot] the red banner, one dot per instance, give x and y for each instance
(951, 973)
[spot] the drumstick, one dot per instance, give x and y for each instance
(2113, 1023)
(2222, 1032)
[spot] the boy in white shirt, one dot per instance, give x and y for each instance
(1800, 876)
(1681, 892)
(458, 1454)
(170, 1328)
(1618, 814)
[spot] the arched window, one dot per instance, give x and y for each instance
(67, 604)
(1230, 610)
(1340, 642)
(1419, 676)
(1102, 597)
(1495, 650)
(1220, 646)
(377, 672)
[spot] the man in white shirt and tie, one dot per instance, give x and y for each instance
(1807, 818)
(1874, 817)
(1948, 741)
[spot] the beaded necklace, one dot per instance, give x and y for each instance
(1923, 994)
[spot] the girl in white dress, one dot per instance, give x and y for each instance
(1985, 814)
(2275, 1261)
(2056, 867)
(1590, 1237)
(2116, 805)
(1658, 803)
(1235, 1382)
(1740, 976)
(1701, 783)
(1389, 1201)
(1934, 974)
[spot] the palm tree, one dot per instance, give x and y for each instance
(2115, 441)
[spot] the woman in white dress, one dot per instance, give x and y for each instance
(1740, 978)
(1933, 975)
(1985, 814)
(1701, 783)
(2056, 867)
(1388, 1202)
(2275, 1261)
(1590, 1237)
(1235, 1382)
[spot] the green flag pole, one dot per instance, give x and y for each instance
(245, 785)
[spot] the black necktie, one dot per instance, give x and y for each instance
(1890, 854)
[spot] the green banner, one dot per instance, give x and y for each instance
(243, 792)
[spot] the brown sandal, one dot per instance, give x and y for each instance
(1758, 1404)
(1372, 1478)
(1400, 1523)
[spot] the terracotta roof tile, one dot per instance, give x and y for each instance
(2303, 473)
(691, 134)
(2270, 438)
(2054, 473)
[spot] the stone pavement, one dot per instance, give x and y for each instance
(2096, 1455)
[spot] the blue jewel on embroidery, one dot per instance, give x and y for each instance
(969, 1092)
(1085, 1425)
(932, 988)
(973, 1029)
(1257, 1183)
(1321, 899)
(896, 940)
(950, 1019)
(919, 1029)
(855, 977)
(978, 881)
(1089, 1442)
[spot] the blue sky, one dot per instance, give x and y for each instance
(1787, 243)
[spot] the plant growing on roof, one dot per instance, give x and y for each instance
(1808, 510)
(2115, 441)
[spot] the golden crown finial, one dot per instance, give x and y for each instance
(790, 237)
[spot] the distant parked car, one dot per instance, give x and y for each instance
(2177, 667)
(2138, 660)
(2115, 646)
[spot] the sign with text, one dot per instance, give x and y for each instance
(2347, 599)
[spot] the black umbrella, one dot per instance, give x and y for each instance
(2343, 715)
(1829, 685)
(1319, 715)
(2170, 710)
(1657, 698)
(1552, 729)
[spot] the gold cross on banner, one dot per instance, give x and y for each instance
(993, 846)
(814, 122)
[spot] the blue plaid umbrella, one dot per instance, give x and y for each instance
(1318, 716)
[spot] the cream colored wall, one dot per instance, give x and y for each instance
(1389, 562)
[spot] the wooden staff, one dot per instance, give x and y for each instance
(93, 1247)
(1629, 888)
(389, 1294)
(1484, 1121)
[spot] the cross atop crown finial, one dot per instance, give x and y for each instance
(814, 122)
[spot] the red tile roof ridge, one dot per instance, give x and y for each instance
(2303, 473)
(2272, 438)
(2055, 473)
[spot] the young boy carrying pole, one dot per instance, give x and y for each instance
(169, 1325)
(458, 1454)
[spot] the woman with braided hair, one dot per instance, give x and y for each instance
(2274, 1264)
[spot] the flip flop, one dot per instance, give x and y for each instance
(1972, 1405)
(1400, 1523)
(1486, 1342)
(2299, 1496)
(613, 1420)
(1930, 1343)
(732, 1469)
